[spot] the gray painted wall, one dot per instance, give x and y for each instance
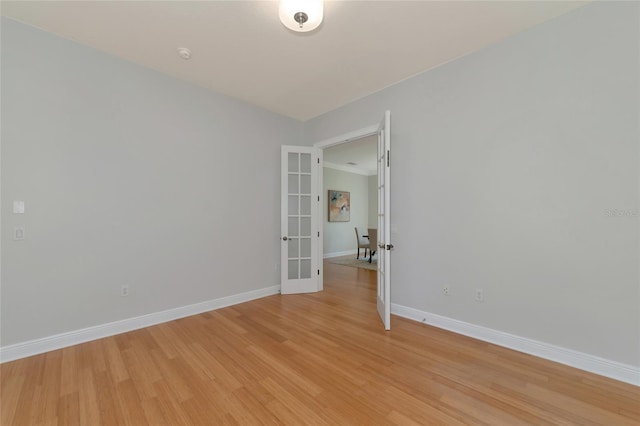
(506, 165)
(129, 177)
(340, 236)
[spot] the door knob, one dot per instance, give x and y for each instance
(284, 238)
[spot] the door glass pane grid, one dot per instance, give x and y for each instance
(293, 190)
(381, 211)
(300, 182)
(299, 216)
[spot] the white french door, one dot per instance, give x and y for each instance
(299, 220)
(384, 222)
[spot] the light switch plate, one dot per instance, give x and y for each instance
(18, 207)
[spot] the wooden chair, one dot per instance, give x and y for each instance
(363, 242)
(373, 242)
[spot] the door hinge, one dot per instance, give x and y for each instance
(318, 271)
(318, 233)
(318, 160)
(318, 198)
(388, 155)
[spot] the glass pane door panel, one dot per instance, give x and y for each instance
(305, 247)
(305, 184)
(293, 226)
(293, 248)
(293, 270)
(293, 205)
(305, 205)
(293, 162)
(305, 163)
(294, 188)
(305, 268)
(305, 226)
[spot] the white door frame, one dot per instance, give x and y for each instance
(327, 143)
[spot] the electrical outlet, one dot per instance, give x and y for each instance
(124, 291)
(479, 295)
(445, 290)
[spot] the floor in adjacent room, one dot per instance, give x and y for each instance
(313, 359)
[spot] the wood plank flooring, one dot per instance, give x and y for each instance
(315, 359)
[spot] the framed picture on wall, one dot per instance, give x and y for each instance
(339, 206)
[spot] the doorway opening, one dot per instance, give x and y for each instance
(350, 202)
(380, 234)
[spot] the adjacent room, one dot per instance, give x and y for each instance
(351, 168)
(176, 193)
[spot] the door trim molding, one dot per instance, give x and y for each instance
(348, 137)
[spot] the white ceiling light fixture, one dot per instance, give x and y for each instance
(301, 15)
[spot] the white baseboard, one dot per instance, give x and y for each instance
(58, 341)
(339, 253)
(615, 370)
(593, 364)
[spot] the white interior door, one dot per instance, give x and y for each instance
(384, 222)
(299, 220)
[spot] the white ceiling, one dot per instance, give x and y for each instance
(362, 151)
(241, 49)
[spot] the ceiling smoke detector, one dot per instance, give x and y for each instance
(184, 53)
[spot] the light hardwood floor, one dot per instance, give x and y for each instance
(316, 359)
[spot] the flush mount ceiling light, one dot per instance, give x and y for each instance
(301, 15)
